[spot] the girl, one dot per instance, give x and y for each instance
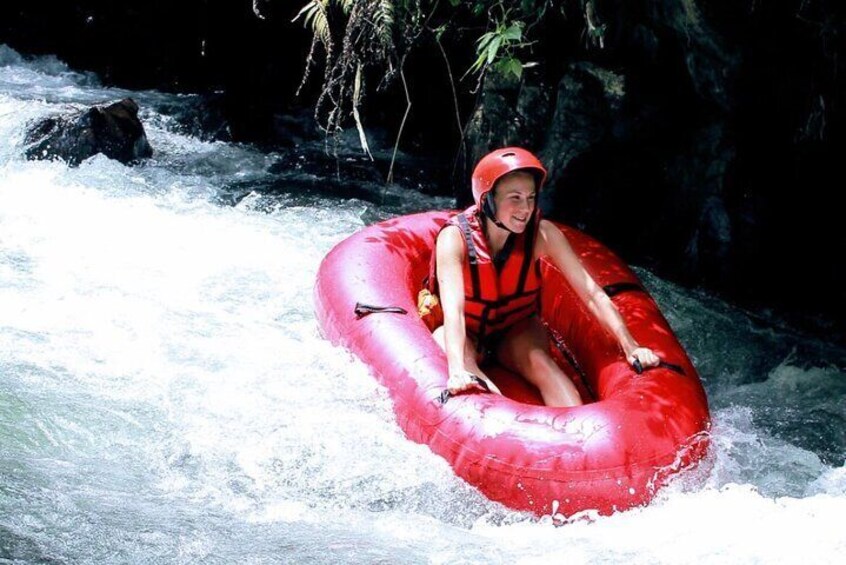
(486, 268)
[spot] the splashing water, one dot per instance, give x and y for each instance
(165, 395)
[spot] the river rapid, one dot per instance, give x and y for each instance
(165, 396)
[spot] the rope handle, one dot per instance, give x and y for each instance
(671, 366)
(362, 310)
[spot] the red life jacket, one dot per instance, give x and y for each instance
(495, 298)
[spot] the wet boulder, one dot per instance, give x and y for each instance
(113, 130)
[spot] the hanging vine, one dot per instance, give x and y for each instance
(353, 36)
(356, 38)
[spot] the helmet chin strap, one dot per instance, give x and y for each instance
(489, 210)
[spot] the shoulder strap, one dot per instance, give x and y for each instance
(472, 257)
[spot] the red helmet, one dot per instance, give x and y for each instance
(500, 162)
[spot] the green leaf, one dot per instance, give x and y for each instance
(478, 63)
(493, 48)
(511, 66)
(514, 32)
(482, 42)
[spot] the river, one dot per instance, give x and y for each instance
(165, 396)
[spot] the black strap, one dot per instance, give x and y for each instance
(500, 258)
(468, 238)
(446, 394)
(489, 210)
(362, 310)
(638, 367)
(561, 345)
(617, 288)
(673, 367)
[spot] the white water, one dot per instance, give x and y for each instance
(165, 396)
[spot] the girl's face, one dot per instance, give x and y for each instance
(514, 197)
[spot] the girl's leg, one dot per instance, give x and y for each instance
(524, 349)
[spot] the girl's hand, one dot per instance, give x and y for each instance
(645, 355)
(461, 381)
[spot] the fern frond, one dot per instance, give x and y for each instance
(346, 6)
(383, 21)
(316, 17)
(306, 10)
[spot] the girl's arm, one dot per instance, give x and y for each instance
(450, 273)
(450, 254)
(554, 245)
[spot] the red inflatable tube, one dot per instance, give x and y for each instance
(613, 453)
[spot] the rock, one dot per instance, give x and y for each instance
(708, 252)
(641, 148)
(113, 130)
(711, 61)
(700, 170)
(497, 121)
(586, 109)
(199, 115)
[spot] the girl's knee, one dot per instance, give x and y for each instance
(543, 377)
(540, 362)
(544, 371)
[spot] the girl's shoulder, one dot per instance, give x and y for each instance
(549, 238)
(450, 240)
